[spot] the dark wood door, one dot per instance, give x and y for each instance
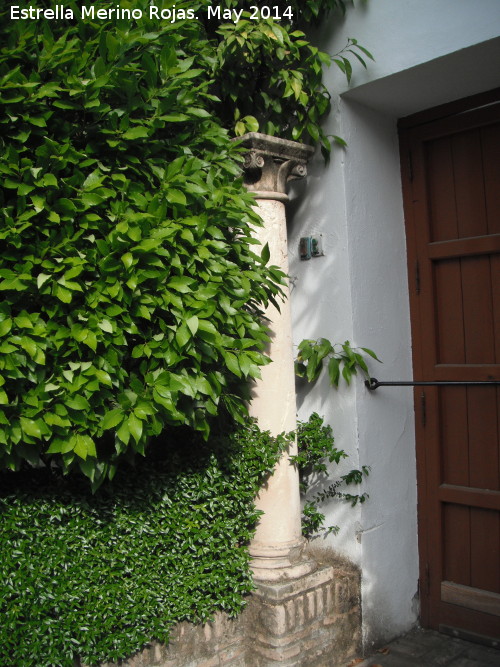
(451, 179)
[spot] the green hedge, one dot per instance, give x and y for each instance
(98, 576)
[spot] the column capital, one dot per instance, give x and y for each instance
(271, 163)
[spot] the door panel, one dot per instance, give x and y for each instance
(451, 182)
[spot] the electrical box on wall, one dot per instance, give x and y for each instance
(310, 246)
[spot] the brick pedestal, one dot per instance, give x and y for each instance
(313, 621)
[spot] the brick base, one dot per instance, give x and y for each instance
(313, 621)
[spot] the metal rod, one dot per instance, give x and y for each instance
(373, 383)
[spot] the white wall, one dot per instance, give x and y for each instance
(402, 34)
(427, 52)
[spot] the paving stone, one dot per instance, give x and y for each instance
(469, 662)
(482, 656)
(426, 648)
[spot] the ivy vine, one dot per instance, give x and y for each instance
(316, 445)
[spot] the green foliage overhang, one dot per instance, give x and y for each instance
(131, 298)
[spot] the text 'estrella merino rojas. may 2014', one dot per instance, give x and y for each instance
(172, 14)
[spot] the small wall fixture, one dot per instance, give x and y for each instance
(310, 246)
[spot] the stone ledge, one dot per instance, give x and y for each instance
(284, 590)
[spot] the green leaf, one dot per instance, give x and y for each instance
(93, 180)
(240, 128)
(334, 371)
(38, 202)
(182, 336)
(49, 180)
(41, 279)
(103, 377)
(314, 367)
(77, 403)
(265, 254)
(176, 196)
(91, 340)
(39, 121)
(123, 432)
(23, 322)
(5, 326)
(371, 353)
(251, 123)
(30, 427)
(24, 189)
(112, 419)
(232, 363)
(80, 446)
(106, 326)
(193, 323)
(137, 132)
(181, 284)
(339, 140)
(91, 199)
(127, 259)
(66, 206)
(135, 427)
(63, 294)
(347, 374)
(29, 345)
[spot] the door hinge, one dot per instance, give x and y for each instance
(424, 581)
(417, 277)
(427, 579)
(423, 409)
(410, 166)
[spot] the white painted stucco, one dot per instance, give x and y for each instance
(427, 52)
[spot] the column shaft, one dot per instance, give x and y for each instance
(278, 543)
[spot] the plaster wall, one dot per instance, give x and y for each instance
(427, 53)
(403, 34)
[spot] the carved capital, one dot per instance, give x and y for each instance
(271, 163)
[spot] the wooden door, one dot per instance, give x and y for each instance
(451, 183)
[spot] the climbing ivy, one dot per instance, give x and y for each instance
(316, 446)
(96, 577)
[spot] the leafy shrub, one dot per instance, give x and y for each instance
(269, 75)
(99, 576)
(343, 360)
(131, 299)
(316, 445)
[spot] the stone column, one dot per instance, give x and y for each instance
(277, 547)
